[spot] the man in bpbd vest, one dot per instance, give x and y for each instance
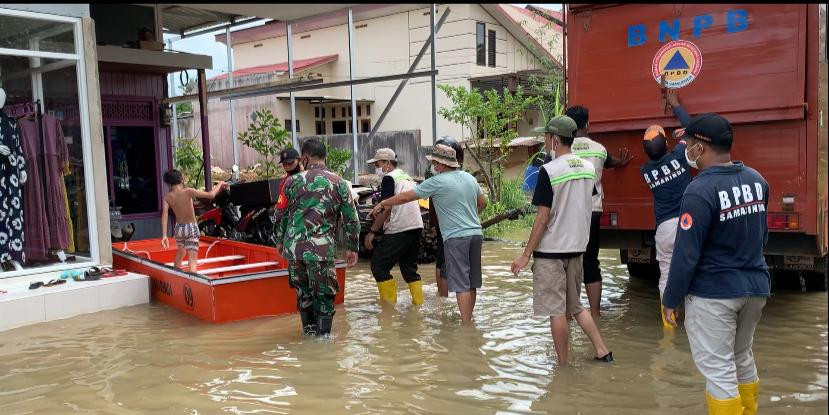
(400, 226)
(718, 267)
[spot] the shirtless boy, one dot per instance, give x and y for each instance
(186, 232)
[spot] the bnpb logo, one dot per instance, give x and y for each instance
(679, 62)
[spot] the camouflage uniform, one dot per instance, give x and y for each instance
(317, 199)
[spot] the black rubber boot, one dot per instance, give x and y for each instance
(309, 322)
(324, 325)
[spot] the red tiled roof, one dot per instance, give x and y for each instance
(552, 13)
(537, 17)
(299, 64)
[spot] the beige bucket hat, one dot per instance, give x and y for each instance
(444, 155)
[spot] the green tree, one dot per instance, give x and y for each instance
(337, 160)
(266, 136)
(189, 161)
(491, 119)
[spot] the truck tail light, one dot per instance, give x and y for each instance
(609, 220)
(783, 221)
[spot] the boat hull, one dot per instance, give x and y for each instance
(238, 281)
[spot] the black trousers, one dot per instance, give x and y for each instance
(592, 273)
(397, 248)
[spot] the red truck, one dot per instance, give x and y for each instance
(762, 66)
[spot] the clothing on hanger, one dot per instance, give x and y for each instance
(12, 173)
(45, 213)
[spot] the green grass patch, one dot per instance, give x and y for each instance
(512, 197)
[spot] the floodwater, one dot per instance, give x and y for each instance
(403, 359)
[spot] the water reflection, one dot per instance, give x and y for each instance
(402, 359)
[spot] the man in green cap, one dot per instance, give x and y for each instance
(559, 239)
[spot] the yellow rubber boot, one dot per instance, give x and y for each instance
(748, 396)
(730, 406)
(665, 323)
(388, 291)
(416, 288)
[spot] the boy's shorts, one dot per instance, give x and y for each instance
(187, 236)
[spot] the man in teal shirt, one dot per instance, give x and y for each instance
(458, 200)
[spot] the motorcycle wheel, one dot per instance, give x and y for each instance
(209, 228)
(263, 232)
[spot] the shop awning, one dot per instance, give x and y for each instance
(185, 20)
(282, 67)
(286, 12)
(113, 58)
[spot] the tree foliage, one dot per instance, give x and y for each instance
(266, 136)
(337, 160)
(491, 119)
(189, 161)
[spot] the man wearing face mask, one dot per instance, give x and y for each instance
(440, 278)
(458, 200)
(666, 175)
(319, 202)
(289, 159)
(718, 267)
(559, 238)
(401, 227)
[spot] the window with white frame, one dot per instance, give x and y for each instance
(48, 218)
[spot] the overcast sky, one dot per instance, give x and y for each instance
(206, 45)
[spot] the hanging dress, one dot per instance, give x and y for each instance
(12, 169)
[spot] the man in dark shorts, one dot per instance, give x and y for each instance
(440, 279)
(459, 200)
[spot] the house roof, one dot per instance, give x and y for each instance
(546, 13)
(501, 12)
(538, 14)
(527, 38)
(278, 28)
(299, 65)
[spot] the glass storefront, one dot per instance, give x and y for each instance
(47, 215)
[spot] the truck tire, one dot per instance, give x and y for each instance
(647, 271)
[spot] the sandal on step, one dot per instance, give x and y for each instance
(53, 283)
(115, 273)
(72, 273)
(35, 285)
(94, 272)
(85, 277)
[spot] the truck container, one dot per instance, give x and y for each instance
(762, 66)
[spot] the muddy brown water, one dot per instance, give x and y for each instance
(403, 359)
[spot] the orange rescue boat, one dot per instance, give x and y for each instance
(234, 281)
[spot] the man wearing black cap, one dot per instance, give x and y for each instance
(666, 174)
(718, 267)
(289, 159)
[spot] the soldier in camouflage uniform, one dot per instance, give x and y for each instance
(317, 199)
